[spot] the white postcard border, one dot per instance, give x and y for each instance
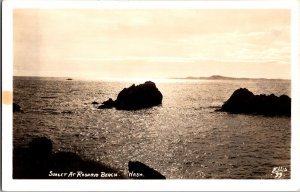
(10, 184)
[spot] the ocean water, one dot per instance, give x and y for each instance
(184, 138)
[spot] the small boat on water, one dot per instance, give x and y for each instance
(69, 79)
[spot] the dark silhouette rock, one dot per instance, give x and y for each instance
(16, 107)
(138, 170)
(33, 162)
(136, 97)
(107, 104)
(40, 147)
(38, 162)
(95, 103)
(244, 101)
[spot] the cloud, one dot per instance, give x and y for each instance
(182, 40)
(254, 46)
(137, 58)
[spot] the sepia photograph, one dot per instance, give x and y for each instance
(139, 93)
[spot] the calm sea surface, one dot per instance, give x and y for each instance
(183, 139)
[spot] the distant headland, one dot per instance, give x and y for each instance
(220, 77)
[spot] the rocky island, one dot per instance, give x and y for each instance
(135, 97)
(245, 102)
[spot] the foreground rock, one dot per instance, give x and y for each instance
(245, 102)
(138, 170)
(38, 162)
(136, 97)
(16, 107)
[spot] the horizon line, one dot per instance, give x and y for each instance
(212, 77)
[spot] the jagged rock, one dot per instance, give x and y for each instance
(107, 104)
(138, 170)
(16, 107)
(136, 97)
(244, 101)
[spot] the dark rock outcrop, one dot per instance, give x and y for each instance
(107, 104)
(138, 170)
(38, 162)
(40, 147)
(245, 102)
(136, 97)
(16, 107)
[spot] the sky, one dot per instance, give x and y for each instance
(152, 43)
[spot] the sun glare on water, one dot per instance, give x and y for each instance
(139, 80)
(144, 79)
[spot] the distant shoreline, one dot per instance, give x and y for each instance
(219, 77)
(213, 77)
